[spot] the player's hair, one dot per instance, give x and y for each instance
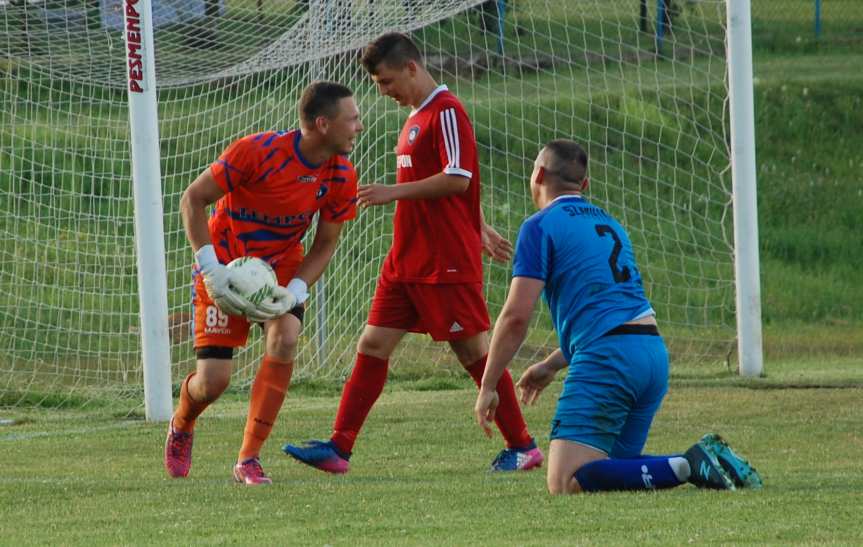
(393, 49)
(566, 161)
(321, 99)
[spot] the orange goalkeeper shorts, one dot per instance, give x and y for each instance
(212, 326)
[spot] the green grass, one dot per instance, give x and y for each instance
(82, 467)
(418, 475)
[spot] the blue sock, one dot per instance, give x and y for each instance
(641, 473)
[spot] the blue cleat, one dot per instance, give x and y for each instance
(321, 455)
(518, 459)
(743, 474)
(705, 469)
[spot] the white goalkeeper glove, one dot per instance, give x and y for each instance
(284, 299)
(217, 279)
(255, 315)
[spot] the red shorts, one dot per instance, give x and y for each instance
(445, 311)
(213, 327)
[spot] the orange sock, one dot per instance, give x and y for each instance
(268, 393)
(188, 409)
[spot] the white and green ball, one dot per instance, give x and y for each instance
(252, 278)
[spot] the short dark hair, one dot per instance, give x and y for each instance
(567, 161)
(393, 49)
(321, 99)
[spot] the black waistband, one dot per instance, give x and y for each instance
(650, 330)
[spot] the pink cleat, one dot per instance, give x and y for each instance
(251, 473)
(178, 452)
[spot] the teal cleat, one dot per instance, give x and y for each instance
(706, 471)
(741, 472)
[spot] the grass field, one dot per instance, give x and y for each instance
(419, 474)
(81, 466)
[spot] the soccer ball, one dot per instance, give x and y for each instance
(252, 278)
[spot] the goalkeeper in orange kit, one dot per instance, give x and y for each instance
(267, 187)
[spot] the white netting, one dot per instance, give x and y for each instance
(654, 126)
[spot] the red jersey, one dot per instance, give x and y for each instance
(271, 195)
(437, 240)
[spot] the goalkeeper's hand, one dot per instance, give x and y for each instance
(284, 299)
(217, 279)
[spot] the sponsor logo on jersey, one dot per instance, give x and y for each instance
(412, 134)
(404, 161)
(307, 178)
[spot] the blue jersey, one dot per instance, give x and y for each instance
(586, 260)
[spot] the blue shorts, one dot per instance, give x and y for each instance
(613, 389)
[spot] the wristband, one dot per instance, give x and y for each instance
(206, 258)
(299, 289)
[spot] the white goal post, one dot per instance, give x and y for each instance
(746, 260)
(149, 228)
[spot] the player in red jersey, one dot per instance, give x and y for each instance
(431, 280)
(266, 187)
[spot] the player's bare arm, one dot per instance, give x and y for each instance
(321, 252)
(537, 376)
(436, 186)
(510, 330)
(193, 208)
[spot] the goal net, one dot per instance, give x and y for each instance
(641, 84)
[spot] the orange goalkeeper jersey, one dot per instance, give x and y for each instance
(271, 195)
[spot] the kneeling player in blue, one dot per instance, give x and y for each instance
(582, 260)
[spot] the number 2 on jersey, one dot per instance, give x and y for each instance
(622, 274)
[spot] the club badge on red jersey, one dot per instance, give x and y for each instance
(412, 134)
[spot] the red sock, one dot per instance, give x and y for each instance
(361, 391)
(265, 401)
(188, 409)
(508, 415)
